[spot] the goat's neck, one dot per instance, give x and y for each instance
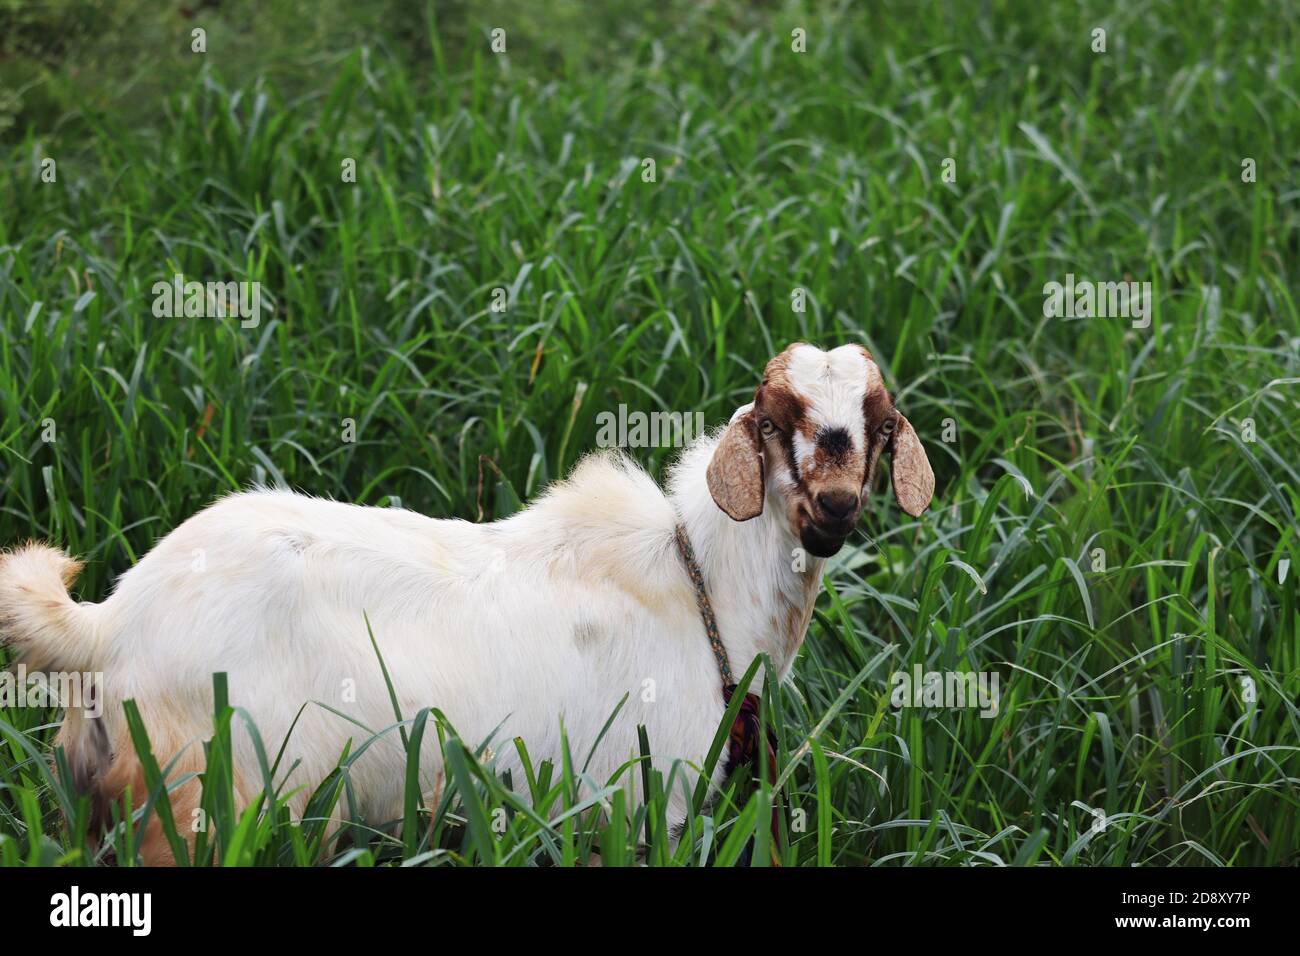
(760, 581)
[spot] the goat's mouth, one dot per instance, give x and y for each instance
(820, 542)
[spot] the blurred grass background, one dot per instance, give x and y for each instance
(1158, 686)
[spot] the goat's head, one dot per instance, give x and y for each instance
(810, 441)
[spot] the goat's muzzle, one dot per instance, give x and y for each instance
(825, 525)
(824, 538)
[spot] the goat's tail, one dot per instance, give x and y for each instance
(38, 618)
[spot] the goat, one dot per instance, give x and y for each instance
(555, 613)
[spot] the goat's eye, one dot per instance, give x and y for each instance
(766, 427)
(887, 426)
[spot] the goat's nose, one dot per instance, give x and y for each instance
(837, 505)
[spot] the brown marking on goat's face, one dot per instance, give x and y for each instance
(877, 411)
(877, 406)
(778, 404)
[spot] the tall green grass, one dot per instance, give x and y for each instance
(1155, 683)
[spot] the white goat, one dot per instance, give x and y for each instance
(509, 627)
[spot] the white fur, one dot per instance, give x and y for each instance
(553, 614)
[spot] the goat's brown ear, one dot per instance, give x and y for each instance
(910, 469)
(735, 473)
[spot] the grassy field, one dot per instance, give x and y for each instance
(1116, 505)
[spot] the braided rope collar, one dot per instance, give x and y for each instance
(706, 608)
(746, 733)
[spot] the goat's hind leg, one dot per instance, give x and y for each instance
(105, 767)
